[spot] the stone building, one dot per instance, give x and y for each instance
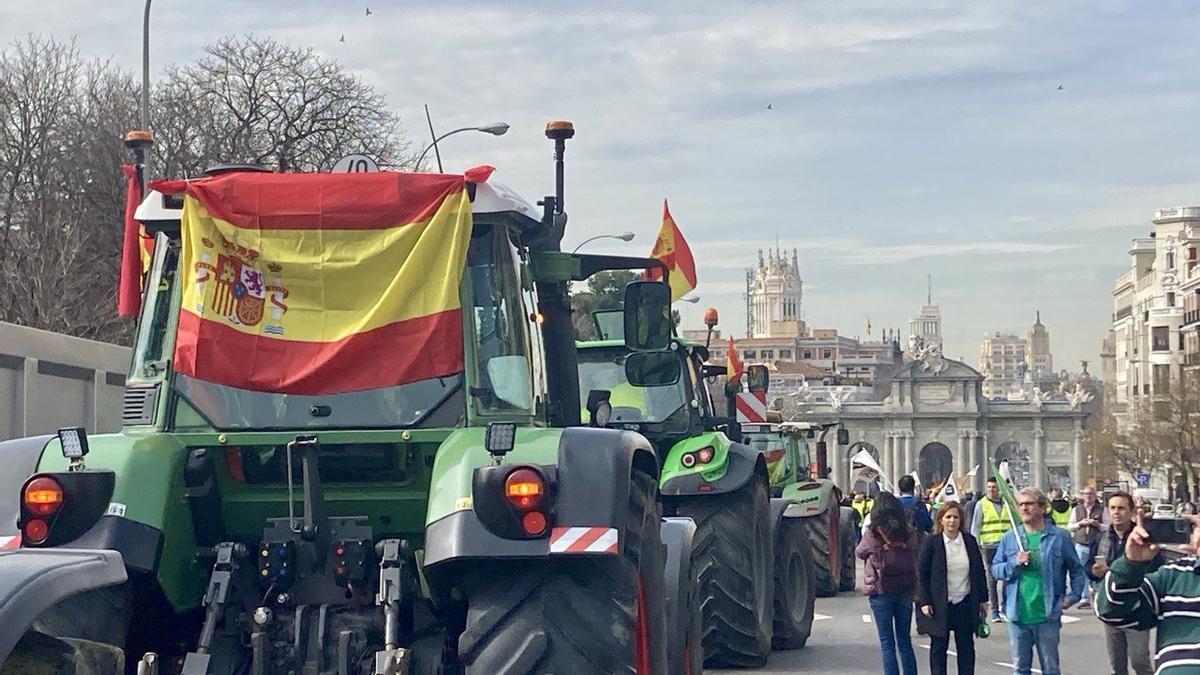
(1010, 363)
(1150, 301)
(934, 420)
(775, 294)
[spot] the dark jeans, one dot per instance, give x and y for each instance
(961, 619)
(989, 552)
(893, 622)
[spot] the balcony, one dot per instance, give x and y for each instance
(1123, 312)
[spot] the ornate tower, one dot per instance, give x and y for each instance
(775, 293)
(1037, 348)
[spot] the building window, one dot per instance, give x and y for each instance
(826, 354)
(1162, 379)
(768, 354)
(1170, 299)
(785, 353)
(1160, 339)
(749, 354)
(1170, 260)
(808, 353)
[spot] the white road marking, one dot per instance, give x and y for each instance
(1009, 665)
(820, 617)
(948, 651)
(866, 618)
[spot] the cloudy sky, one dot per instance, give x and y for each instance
(903, 137)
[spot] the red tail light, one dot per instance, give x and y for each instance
(43, 496)
(524, 489)
(533, 522)
(35, 531)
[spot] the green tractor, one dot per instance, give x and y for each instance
(463, 523)
(751, 553)
(796, 474)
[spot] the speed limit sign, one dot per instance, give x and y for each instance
(355, 164)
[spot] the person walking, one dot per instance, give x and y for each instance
(991, 521)
(1128, 647)
(889, 578)
(952, 591)
(1087, 519)
(1060, 508)
(1036, 569)
(914, 506)
(1165, 599)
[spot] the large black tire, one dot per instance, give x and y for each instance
(732, 560)
(827, 554)
(685, 650)
(849, 580)
(795, 586)
(574, 615)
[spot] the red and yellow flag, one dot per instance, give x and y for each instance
(673, 251)
(733, 365)
(321, 283)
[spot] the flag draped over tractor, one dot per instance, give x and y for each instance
(321, 283)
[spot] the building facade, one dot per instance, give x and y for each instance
(775, 292)
(1003, 361)
(1149, 306)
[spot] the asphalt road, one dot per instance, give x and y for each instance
(844, 642)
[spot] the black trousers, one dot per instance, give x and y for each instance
(961, 620)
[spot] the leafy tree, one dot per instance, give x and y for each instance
(605, 290)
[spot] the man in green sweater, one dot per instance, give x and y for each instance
(1168, 598)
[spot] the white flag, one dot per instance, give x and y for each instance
(864, 458)
(972, 472)
(949, 492)
(916, 478)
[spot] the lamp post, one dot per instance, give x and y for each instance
(496, 129)
(624, 236)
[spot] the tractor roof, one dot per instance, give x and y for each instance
(494, 201)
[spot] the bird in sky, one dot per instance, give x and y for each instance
(342, 39)
(368, 11)
(1060, 87)
(769, 107)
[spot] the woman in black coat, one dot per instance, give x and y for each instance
(951, 550)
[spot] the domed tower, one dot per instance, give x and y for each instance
(775, 294)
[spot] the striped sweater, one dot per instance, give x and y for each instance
(1168, 598)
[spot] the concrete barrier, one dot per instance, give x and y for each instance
(50, 380)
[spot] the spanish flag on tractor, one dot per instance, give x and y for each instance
(673, 251)
(321, 283)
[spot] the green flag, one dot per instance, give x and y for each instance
(1010, 500)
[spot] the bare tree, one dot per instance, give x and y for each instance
(60, 191)
(255, 100)
(1165, 432)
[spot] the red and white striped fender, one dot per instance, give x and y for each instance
(584, 540)
(10, 542)
(751, 407)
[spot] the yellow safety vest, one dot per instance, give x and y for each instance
(1060, 519)
(861, 507)
(995, 523)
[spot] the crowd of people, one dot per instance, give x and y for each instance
(958, 566)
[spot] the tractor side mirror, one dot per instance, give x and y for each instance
(757, 378)
(652, 369)
(647, 316)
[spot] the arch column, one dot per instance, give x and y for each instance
(1077, 471)
(910, 459)
(981, 458)
(1039, 457)
(889, 447)
(962, 457)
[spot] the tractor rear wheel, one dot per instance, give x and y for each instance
(823, 533)
(732, 560)
(795, 586)
(574, 615)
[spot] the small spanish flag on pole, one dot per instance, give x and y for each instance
(733, 365)
(673, 251)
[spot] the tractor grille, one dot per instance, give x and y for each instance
(138, 408)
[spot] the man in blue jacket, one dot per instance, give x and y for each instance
(1035, 592)
(913, 506)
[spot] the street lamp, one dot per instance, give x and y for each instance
(495, 129)
(624, 236)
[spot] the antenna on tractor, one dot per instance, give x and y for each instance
(559, 131)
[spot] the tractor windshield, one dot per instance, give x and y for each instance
(604, 369)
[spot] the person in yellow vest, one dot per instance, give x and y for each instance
(1059, 508)
(991, 521)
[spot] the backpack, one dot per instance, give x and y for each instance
(897, 568)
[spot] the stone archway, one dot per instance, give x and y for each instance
(1017, 457)
(935, 464)
(861, 478)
